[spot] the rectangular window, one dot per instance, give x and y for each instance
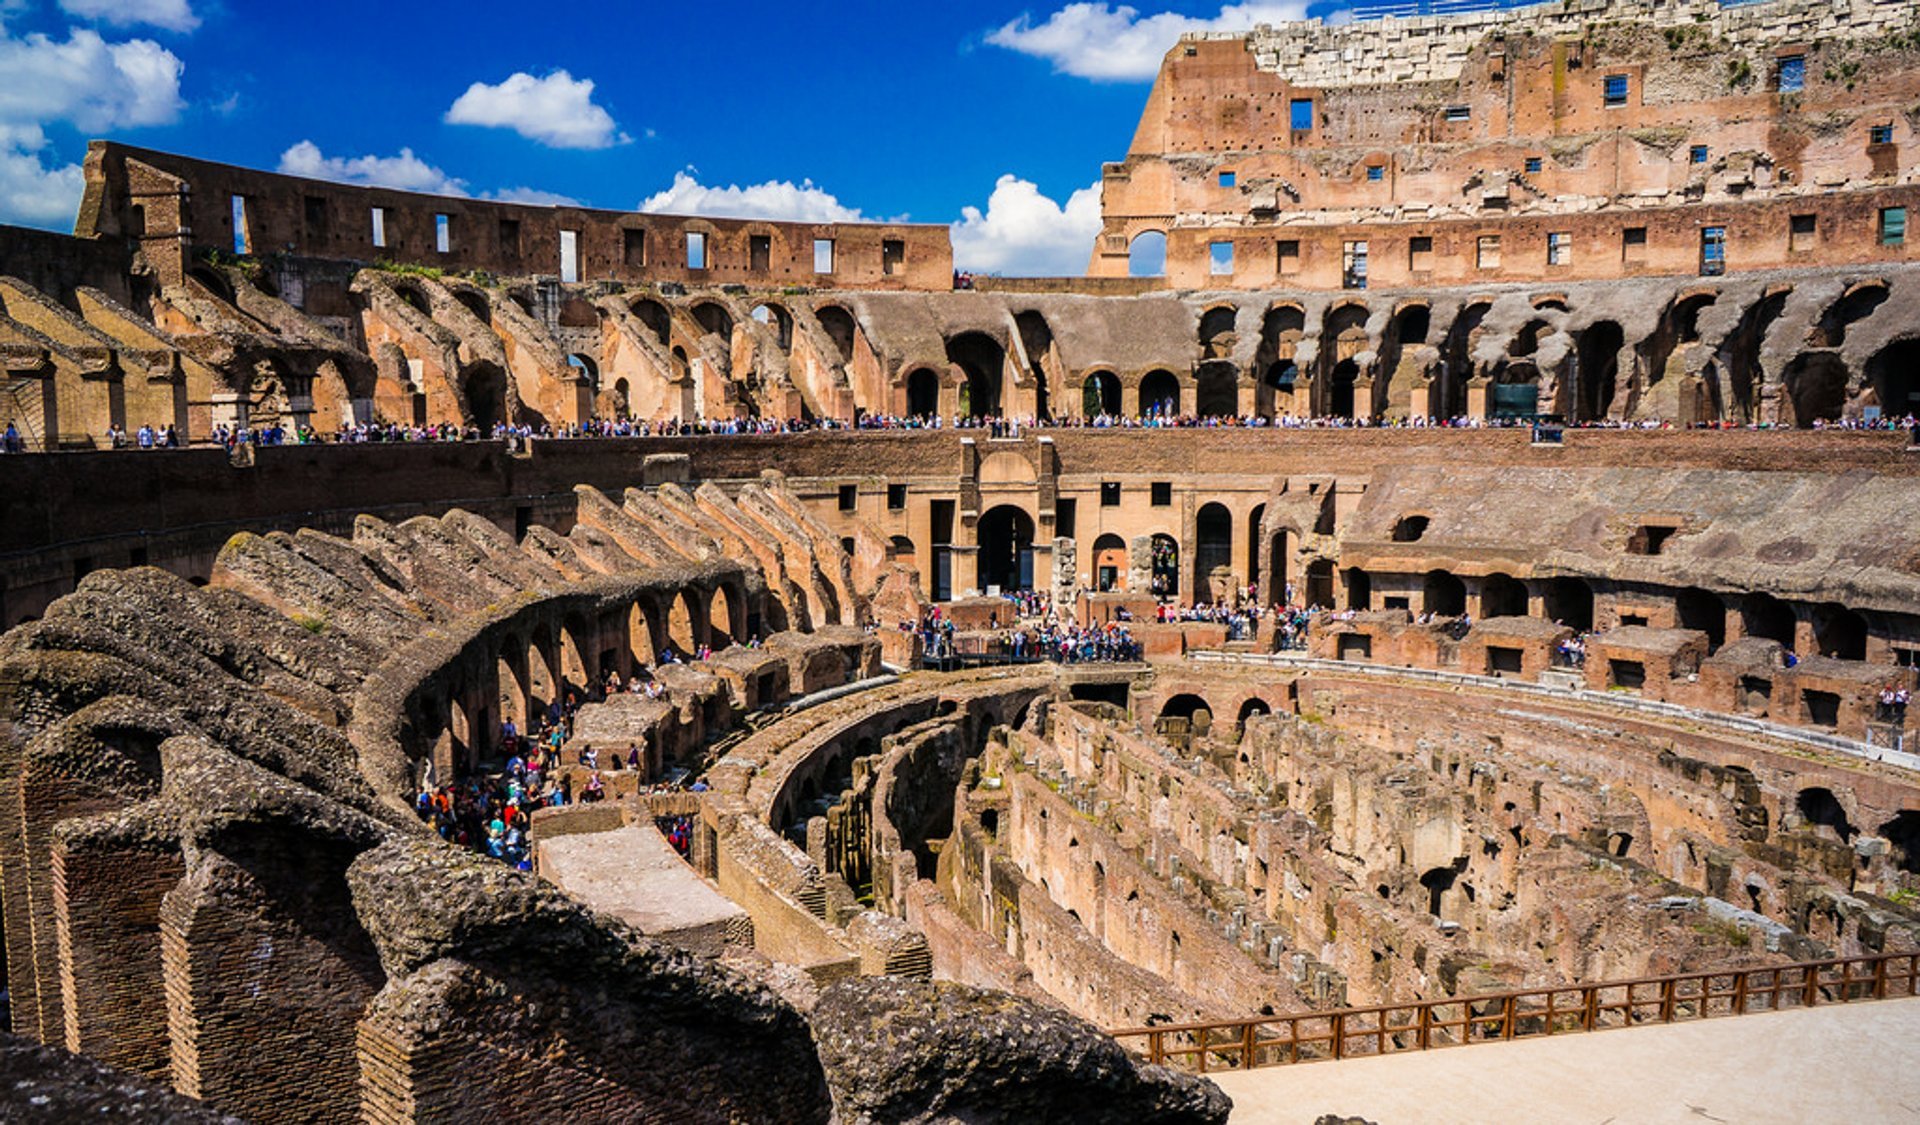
(1228, 179)
(569, 256)
(1802, 232)
(1534, 164)
(696, 250)
(823, 255)
(1300, 112)
(1289, 256)
(1160, 493)
(1063, 513)
(379, 226)
(896, 497)
(893, 255)
(1420, 253)
(1353, 265)
(1880, 134)
(1893, 226)
(443, 233)
(633, 247)
(1615, 88)
(242, 233)
(849, 497)
(1633, 244)
(1110, 494)
(510, 237)
(1459, 113)
(1488, 252)
(1713, 251)
(760, 252)
(1376, 173)
(1220, 258)
(1793, 73)
(1559, 248)
(1697, 154)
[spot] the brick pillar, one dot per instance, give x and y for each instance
(107, 894)
(265, 986)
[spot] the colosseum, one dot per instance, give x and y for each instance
(1447, 574)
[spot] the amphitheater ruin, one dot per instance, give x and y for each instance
(1469, 591)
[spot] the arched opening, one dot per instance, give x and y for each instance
(900, 552)
(640, 637)
(1320, 583)
(719, 620)
(1695, 608)
(1409, 529)
(1743, 354)
(1359, 589)
(414, 299)
(982, 362)
(542, 686)
(1569, 601)
(1147, 255)
(1840, 632)
(575, 672)
(839, 324)
(1443, 594)
(1212, 551)
(1110, 563)
(1186, 706)
(589, 370)
(1216, 331)
(1502, 595)
(1903, 833)
(1280, 335)
(474, 303)
(511, 688)
(1763, 615)
(1216, 392)
(486, 389)
(1006, 549)
(1856, 304)
(779, 320)
(1164, 577)
(714, 318)
(1253, 706)
(1458, 353)
(1596, 370)
(1036, 340)
(1894, 373)
(1100, 394)
(1816, 385)
(1822, 809)
(1619, 843)
(1254, 519)
(1159, 395)
(680, 630)
(655, 316)
(1340, 389)
(923, 393)
(622, 403)
(1408, 329)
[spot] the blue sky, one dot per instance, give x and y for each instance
(992, 116)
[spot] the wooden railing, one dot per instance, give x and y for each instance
(1527, 1014)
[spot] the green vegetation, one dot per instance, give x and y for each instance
(410, 269)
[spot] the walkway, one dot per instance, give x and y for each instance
(1852, 1063)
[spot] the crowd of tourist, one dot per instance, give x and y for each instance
(149, 437)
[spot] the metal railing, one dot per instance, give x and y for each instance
(1532, 1013)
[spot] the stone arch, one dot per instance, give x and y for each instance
(1821, 808)
(1856, 304)
(1894, 373)
(1110, 563)
(1502, 595)
(1343, 339)
(1147, 254)
(1005, 536)
(1438, 881)
(1100, 394)
(1597, 370)
(982, 363)
(1341, 386)
(714, 319)
(1457, 357)
(1251, 706)
(576, 653)
(1212, 547)
(1185, 705)
(719, 619)
(900, 552)
(1740, 359)
(1159, 394)
(840, 327)
(778, 319)
(1164, 565)
(655, 316)
(1816, 385)
(1036, 340)
(683, 630)
(642, 636)
(923, 393)
(474, 302)
(589, 370)
(510, 684)
(1216, 331)
(543, 685)
(1443, 594)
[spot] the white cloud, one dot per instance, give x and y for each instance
(775, 199)
(557, 110)
(1025, 233)
(405, 172)
(534, 196)
(174, 15)
(1118, 44)
(96, 85)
